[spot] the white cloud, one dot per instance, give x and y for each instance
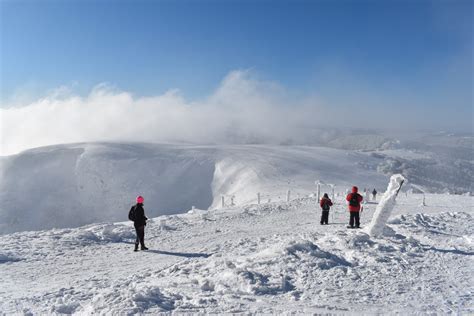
(241, 110)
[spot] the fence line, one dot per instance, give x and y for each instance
(293, 194)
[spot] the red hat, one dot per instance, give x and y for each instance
(140, 199)
(354, 189)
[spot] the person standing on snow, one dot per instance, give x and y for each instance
(354, 200)
(325, 204)
(137, 215)
(374, 195)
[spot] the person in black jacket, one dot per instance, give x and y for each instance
(325, 204)
(139, 221)
(374, 195)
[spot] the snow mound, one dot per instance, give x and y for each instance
(102, 233)
(120, 298)
(272, 271)
(149, 296)
(360, 241)
(433, 226)
(325, 260)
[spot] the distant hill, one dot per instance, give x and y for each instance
(77, 184)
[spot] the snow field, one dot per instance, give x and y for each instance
(269, 258)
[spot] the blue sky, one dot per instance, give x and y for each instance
(412, 54)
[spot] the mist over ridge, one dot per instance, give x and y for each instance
(243, 109)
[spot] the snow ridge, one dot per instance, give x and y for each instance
(78, 184)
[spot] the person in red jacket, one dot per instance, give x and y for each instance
(325, 204)
(354, 200)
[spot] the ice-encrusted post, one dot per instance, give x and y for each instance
(385, 206)
(258, 198)
(367, 196)
(318, 188)
(423, 202)
(288, 195)
(222, 200)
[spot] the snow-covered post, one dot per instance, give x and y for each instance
(232, 200)
(367, 196)
(258, 198)
(385, 206)
(423, 202)
(318, 189)
(162, 224)
(288, 195)
(222, 200)
(332, 192)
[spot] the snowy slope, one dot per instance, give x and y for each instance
(78, 184)
(439, 162)
(268, 258)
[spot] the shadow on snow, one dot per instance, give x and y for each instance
(181, 254)
(453, 251)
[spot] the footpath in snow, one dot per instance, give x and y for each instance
(268, 258)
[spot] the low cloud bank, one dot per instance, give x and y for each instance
(241, 110)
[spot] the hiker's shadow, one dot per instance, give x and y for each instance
(181, 254)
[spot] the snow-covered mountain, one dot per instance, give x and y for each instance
(73, 185)
(269, 258)
(78, 184)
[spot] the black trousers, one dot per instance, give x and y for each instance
(140, 236)
(354, 217)
(324, 217)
